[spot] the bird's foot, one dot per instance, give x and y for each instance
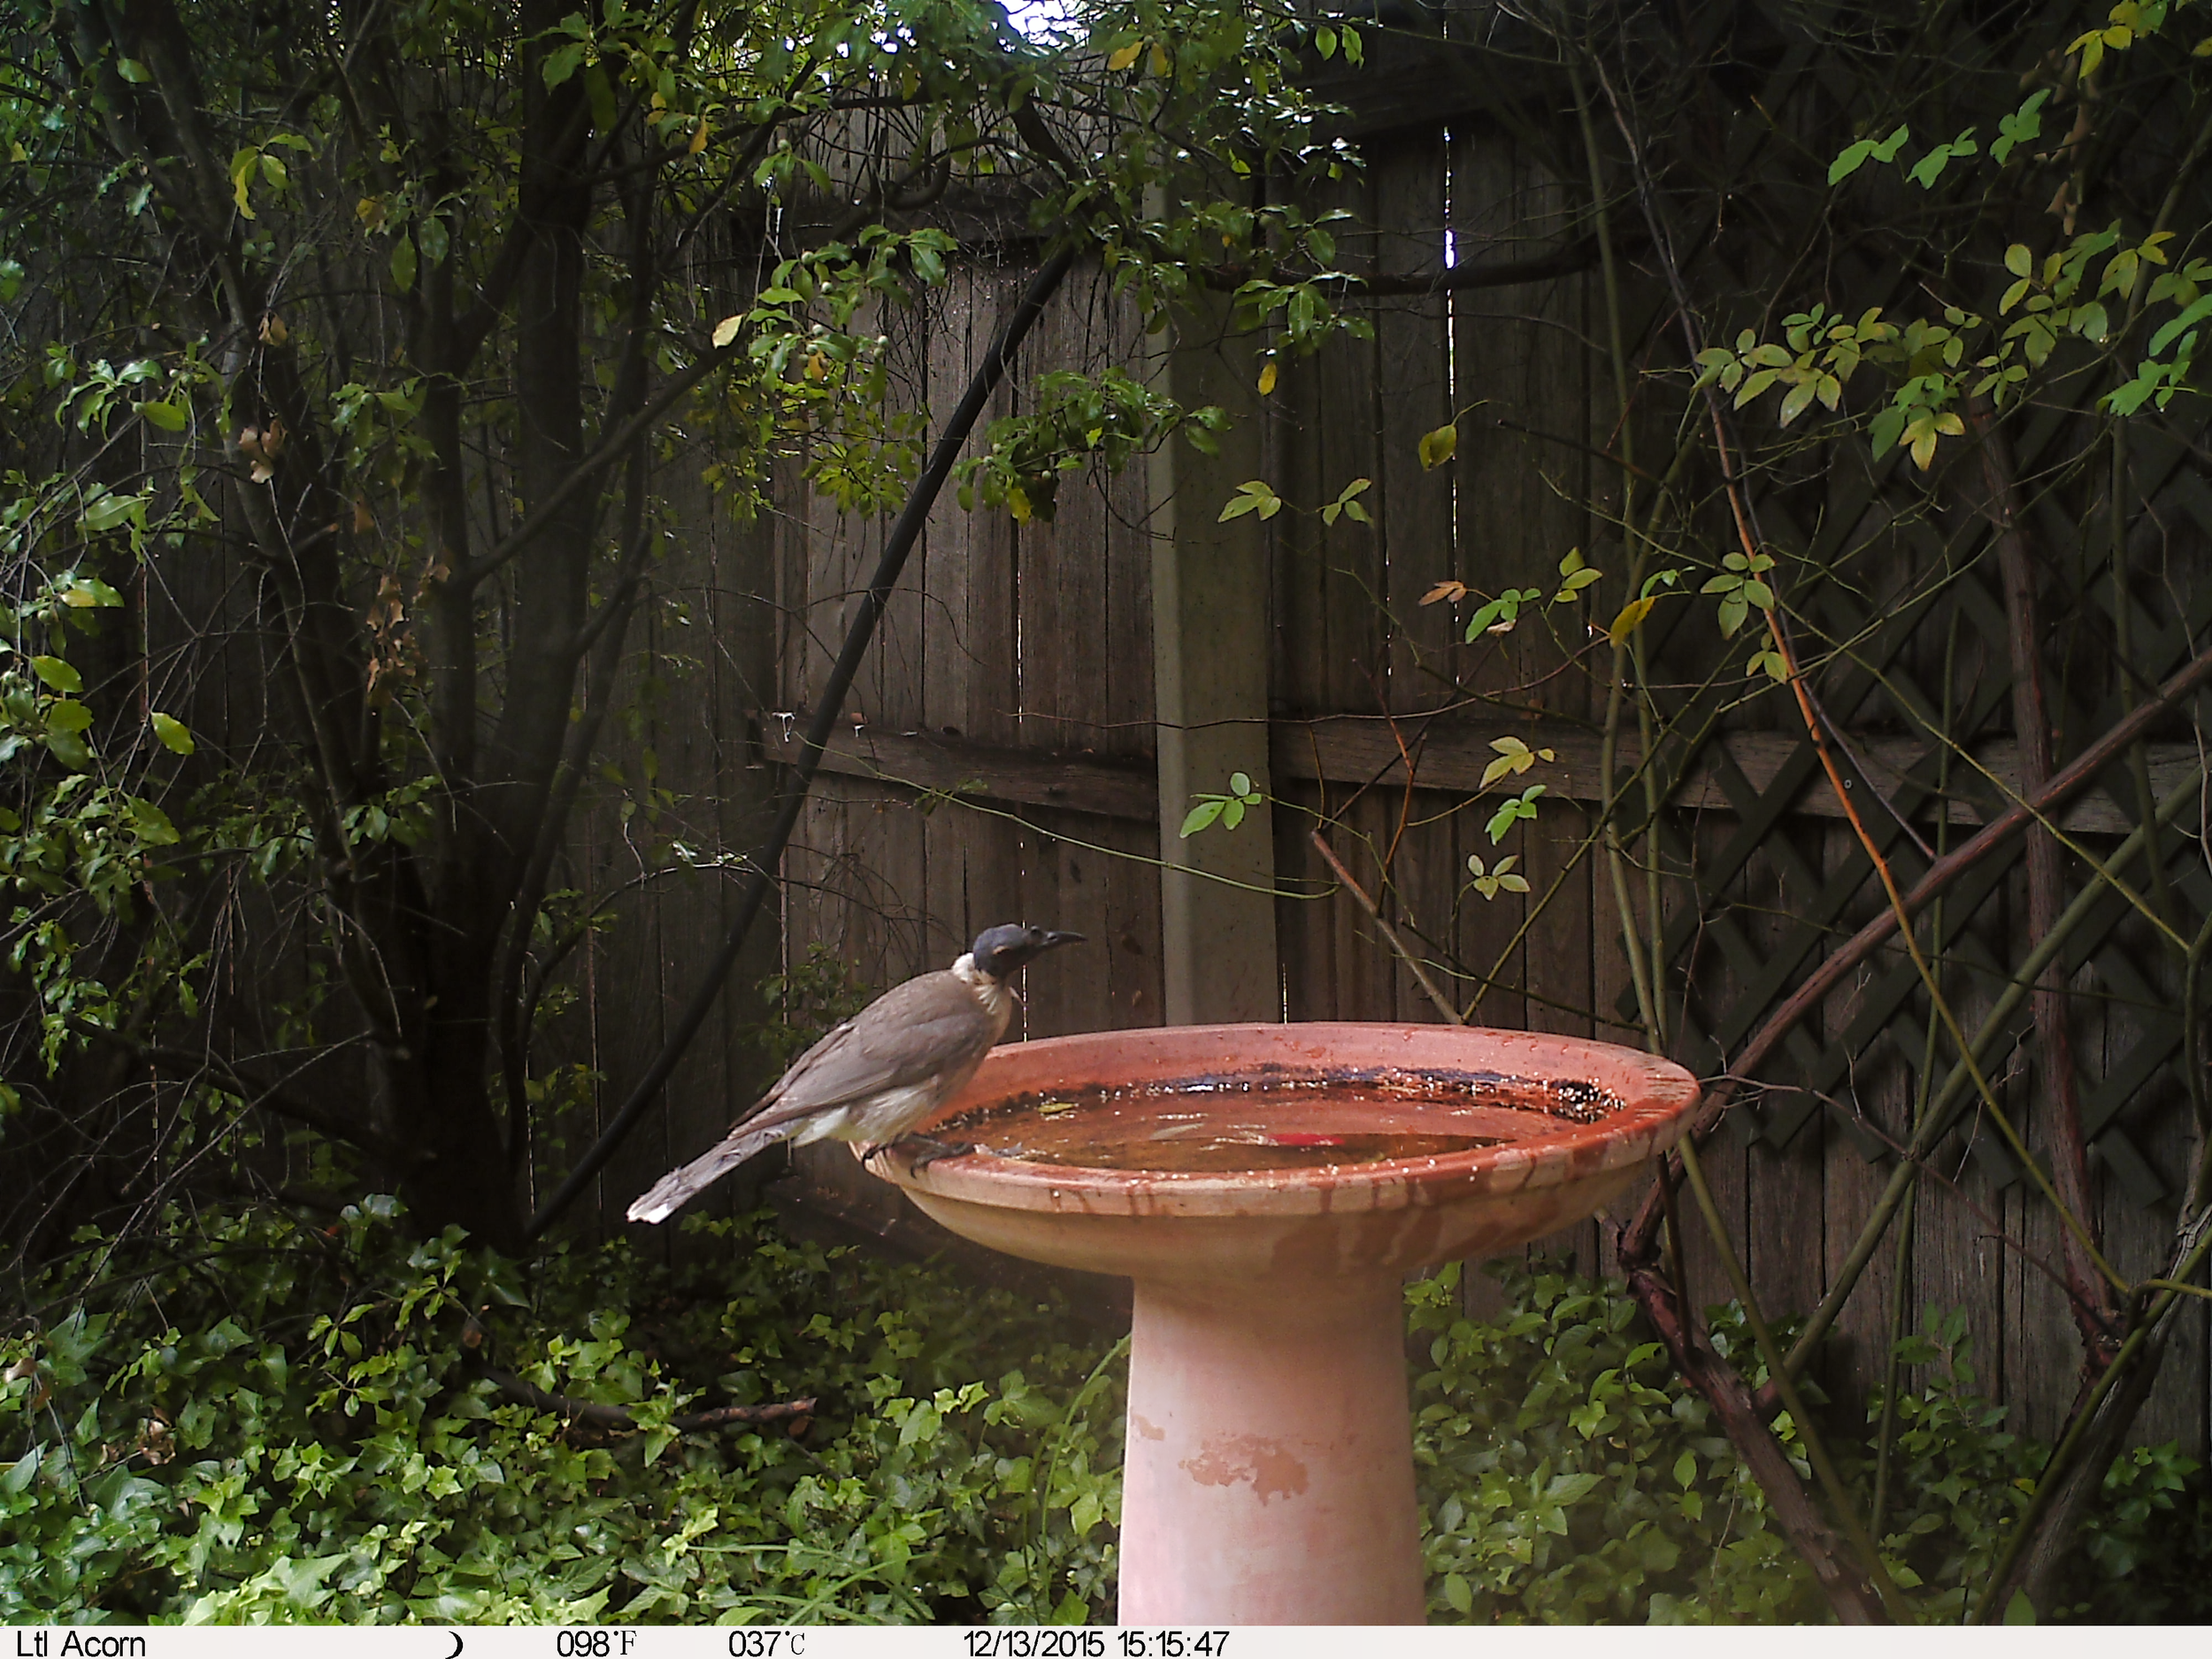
(924, 1150)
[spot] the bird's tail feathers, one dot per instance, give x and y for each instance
(679, 1187)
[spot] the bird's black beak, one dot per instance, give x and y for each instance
(1039, 941)
(1006, 948)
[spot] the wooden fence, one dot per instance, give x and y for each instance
(1008, 746)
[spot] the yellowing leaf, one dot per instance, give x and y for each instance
(241, 168)
(1630, 619)
(1127, 54)
(1267, 377)
(1159, 58)
(1253, 496)
(370, 210)
(698, 139)
(727, 330)
(1439, 447)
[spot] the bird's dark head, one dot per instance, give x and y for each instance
(1002, 951)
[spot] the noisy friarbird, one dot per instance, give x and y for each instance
(880, 1072)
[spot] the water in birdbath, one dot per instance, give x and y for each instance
(1226, 1125)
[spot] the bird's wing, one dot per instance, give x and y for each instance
(924, 1028)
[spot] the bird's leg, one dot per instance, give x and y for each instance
(924, 1150)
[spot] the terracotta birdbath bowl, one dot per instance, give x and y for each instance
(1268, 1188)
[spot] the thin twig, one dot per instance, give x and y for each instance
(607, 1416)
(1443, 1005)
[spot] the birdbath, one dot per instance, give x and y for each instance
(1268, 1188)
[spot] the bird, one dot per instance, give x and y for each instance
(881, 1072)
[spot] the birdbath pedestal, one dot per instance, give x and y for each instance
(1267, 1188)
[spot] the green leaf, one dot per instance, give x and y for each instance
(1085, 1513)
(2188, 319)
(69, 748)
(1565, 1489)
(154, 827)
(1201, 816)
(403, 263)
(57, 674)
(2019, 1610)
(1889, 425)
(20, 1472)
(1240, 783)
(169, 417)
(599, 90)
(1439, 447)
(562, 63)
(1930, 167)
(65, 714)
(1253, 496)
(86, 593)
(1686, 1469)
(173, 733)
(1855, 156)
(2023, 126)
(106, 511)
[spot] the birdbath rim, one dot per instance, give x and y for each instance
(1640, 1105)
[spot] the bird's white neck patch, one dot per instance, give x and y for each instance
(996, 995)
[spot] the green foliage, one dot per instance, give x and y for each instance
(1567, 1476)
(817, 992)
(1961, 1480)
(2087, 289)
(312, 1438)
(1111, 417)
(283, 1423)
(343, 348)
(1226, 809)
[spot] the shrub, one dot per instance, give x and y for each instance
(284, 1423)
(1569, 1476)
(309, 1434)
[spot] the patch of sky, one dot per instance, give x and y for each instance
(1048, 21)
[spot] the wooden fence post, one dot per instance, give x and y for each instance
(1210, 622)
